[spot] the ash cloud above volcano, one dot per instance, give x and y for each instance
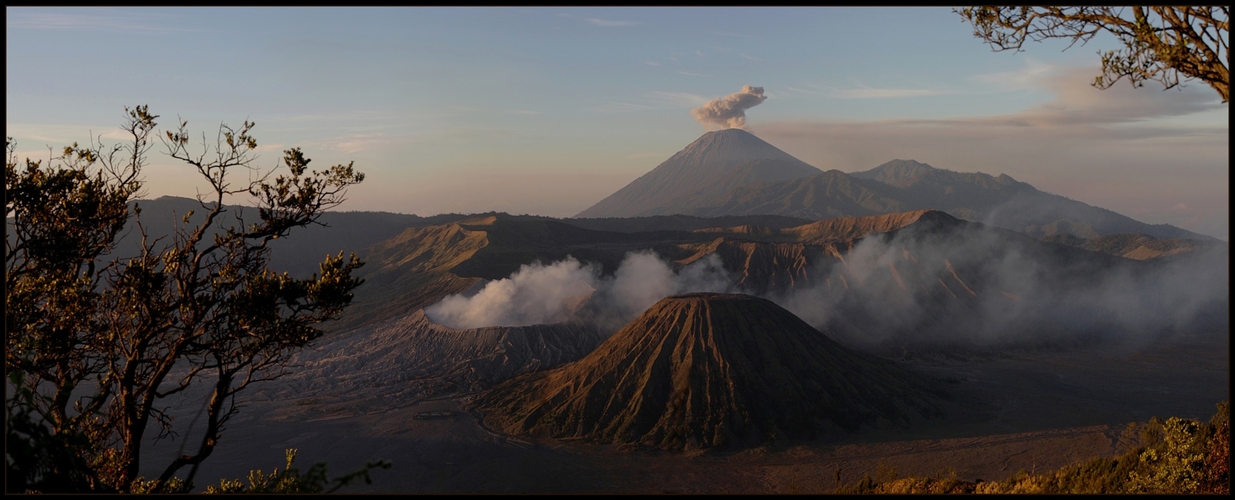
(729, 111)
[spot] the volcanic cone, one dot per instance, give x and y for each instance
(707, 370)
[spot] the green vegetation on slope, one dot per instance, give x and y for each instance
(1175, 456)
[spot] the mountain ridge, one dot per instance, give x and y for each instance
(907, 185)
(732, 172)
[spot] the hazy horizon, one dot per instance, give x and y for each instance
(546, 111)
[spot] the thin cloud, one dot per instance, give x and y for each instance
(722, 33)
(1108, 148)
(437, 136)
(868, 93)
(36, 155)
(523, 112)
(679, 99)
(355, 143)
(335, 117)
(811, 92)
(132, 22)
(270, 148)
(58, 136)
(611, 23)
(651, 63)
(1026, 78)
(728, 50)
(655, 100)
(1076, 102)
(622, 107)
(687, 73)
(638, 156)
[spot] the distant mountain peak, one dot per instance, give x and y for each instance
(898, 172)
(725, 149)
(709, 167)
(728, 131)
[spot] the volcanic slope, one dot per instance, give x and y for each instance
(901, 185)
(926, 280)
(401, 361)
(713, 165)
(826, 195)
(424, 264)
(710, 370)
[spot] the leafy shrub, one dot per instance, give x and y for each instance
(1175, 465)
(290, 480)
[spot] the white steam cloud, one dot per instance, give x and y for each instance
(728, 111)
(974, 287)
(535, 294)
(901, 290)
(540, 294)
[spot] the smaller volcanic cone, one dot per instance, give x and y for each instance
(705, 370)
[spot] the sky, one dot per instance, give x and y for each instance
(549, 110)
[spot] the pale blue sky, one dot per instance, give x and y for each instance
(548, 110)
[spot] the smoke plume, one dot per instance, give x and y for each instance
(980, 291)
(540, 294)
(535, 294)
(644, 278)
(963, 287)
(728, 111)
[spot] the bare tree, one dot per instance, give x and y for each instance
(97, 342)
(1159, 43)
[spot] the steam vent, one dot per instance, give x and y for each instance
(709, 370)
